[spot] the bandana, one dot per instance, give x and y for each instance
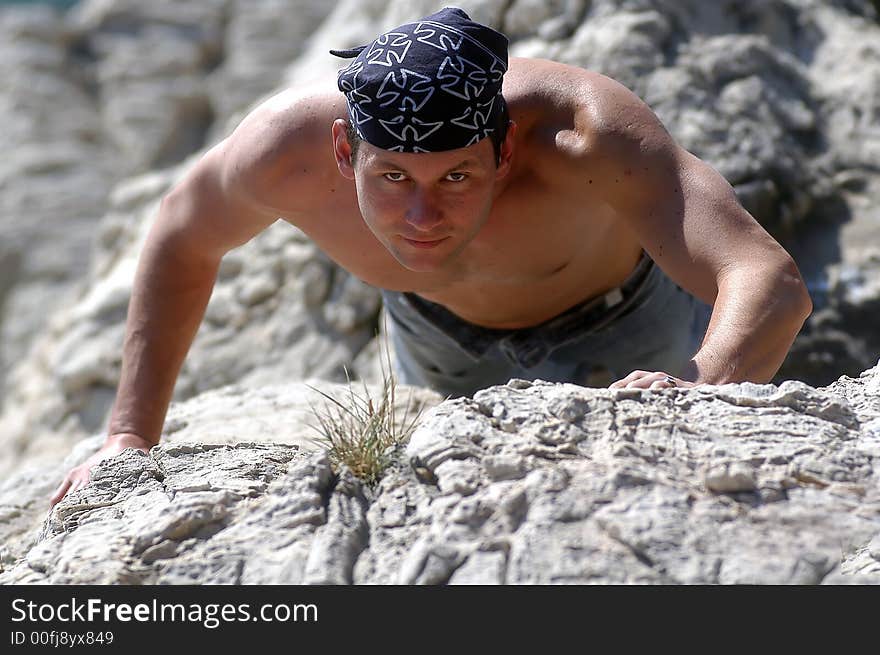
(426, 86)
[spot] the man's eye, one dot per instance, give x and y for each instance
(457, 177)
(394, 177)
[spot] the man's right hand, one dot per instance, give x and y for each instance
(78, 476)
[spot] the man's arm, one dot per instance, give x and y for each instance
(690, 222)
(198, 222)
(212, 210)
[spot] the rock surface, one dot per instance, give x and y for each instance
(215, 419)
(524, 483)
(54, 176)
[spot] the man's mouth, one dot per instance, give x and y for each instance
(425, 243)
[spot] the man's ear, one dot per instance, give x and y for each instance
(507, 150)
(342, 148)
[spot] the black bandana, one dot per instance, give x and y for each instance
(426, 86)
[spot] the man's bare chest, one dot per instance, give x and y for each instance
(528, 235)
(539, 252)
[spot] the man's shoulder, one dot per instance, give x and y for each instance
(595, 115)
(285, 133)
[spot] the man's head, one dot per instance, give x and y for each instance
(422, 98)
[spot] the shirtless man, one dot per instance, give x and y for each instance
(578, 234)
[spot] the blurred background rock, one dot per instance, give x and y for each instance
(105, 103)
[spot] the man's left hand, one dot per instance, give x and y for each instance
(650, 380)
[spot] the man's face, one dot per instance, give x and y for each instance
(425, 208)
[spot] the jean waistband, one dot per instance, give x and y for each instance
(528, 347)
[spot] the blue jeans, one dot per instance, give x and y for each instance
(648, 323)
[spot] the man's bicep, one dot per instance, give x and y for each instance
(213, 209)
(684, 213)
(691, 222)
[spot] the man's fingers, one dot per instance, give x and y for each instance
(70, 484)
(656, 380)
(649, 380)
(78, 484)
(59, 492)
(625, 382)
(641, 383)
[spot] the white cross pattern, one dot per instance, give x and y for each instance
(496, 71)
(393, 45)
(432, 36)
(467, 80)
(410, 125)
(353, 69)
(478, 116)
(351, 86)
(413, 89)
(482, 134)
(359, 116)
(402, 149)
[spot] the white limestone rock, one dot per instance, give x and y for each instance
(738, 484)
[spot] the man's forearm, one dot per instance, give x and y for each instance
(757, 315)
(168, 302)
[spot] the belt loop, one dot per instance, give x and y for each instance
(507, 349)
(524, 348)
(613, 297)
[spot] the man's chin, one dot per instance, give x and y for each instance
(428, 258)
(422, 262)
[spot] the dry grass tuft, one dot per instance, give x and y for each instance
(360, 431)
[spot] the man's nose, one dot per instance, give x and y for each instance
(423, 214)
